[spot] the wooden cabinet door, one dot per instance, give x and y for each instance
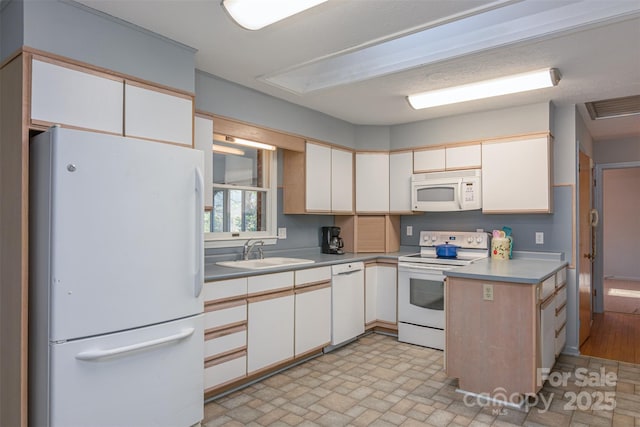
(463, 157)
(429, 160)
(516, 176)
(312, 318)
(400, 171)
(341, 181)
(152, 114)
(270, 331)
(318, 177)
(66, 96)
(372, 182)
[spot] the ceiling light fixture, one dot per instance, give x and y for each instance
(245, 142)
(257, 14)
(486, 89)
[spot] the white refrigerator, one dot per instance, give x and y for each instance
(116, 273)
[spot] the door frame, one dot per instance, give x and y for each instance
(598, 267)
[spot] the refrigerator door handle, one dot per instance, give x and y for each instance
(199, 280)
(93, 355)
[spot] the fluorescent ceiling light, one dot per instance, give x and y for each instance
(256, 14)
(245, 142)
(226, 150)
(497, 24)
(486, 89)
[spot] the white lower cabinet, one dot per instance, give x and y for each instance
(270, 330)
(312, 318)
(312, 309)
(548, 333)
(381, 294)
(225, 337)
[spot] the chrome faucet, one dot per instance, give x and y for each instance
(247, 248)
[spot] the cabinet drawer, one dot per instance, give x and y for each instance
(225, 341)
(561, 297)
(561, 277)
(561, 318)
(225, 289)
(561, 339)
(270, 282)
(312, 275)
(220, 371)
(547, 288)
(216, 317)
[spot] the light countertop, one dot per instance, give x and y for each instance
(214, 272)
(517, 270)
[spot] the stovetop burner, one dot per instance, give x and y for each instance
(472, 246)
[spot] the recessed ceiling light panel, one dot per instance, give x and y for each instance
(486, 89)
(257, 14)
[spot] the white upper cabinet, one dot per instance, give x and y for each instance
(400, 171)
(429, 160)
(66, 96)
(341, 181)
(516, 175)
(318, 178)
(203, 141)
(453, 157)
(157, 115)
(372, 182)
(463, 157)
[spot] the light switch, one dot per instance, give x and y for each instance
(487, 292)
(409, 230)
(282, 233)
(539, 238)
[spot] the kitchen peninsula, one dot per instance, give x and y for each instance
(504, 321)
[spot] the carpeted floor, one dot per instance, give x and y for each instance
(622, 296)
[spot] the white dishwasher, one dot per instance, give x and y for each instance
(347, 302)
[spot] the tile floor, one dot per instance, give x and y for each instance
(377, 381)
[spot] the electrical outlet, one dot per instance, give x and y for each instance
(487, 292)
(409, 230)
(282, 233)
(539, 238)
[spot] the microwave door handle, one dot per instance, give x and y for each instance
(460, 193)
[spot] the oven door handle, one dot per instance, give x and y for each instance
(422, 269)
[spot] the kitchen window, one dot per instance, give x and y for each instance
(244, 194)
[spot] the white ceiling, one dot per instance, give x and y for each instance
(594, 44)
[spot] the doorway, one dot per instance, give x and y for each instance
(616, 328)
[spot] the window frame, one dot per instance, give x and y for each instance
(269, 236)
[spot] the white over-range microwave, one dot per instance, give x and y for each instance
(446, 191)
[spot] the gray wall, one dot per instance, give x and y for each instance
(617, 150)
(474, 126)
(621, 224)
(72, 30)
(221, 97)
(11, 27)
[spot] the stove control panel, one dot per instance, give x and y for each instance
(464, 239)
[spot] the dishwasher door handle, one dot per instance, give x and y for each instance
(344, 273)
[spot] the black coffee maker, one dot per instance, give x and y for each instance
(331, 241)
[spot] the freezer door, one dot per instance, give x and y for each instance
(125, 231)
(151, 376)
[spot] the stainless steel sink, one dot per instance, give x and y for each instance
(272, 262)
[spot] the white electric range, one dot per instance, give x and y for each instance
(421, 283)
